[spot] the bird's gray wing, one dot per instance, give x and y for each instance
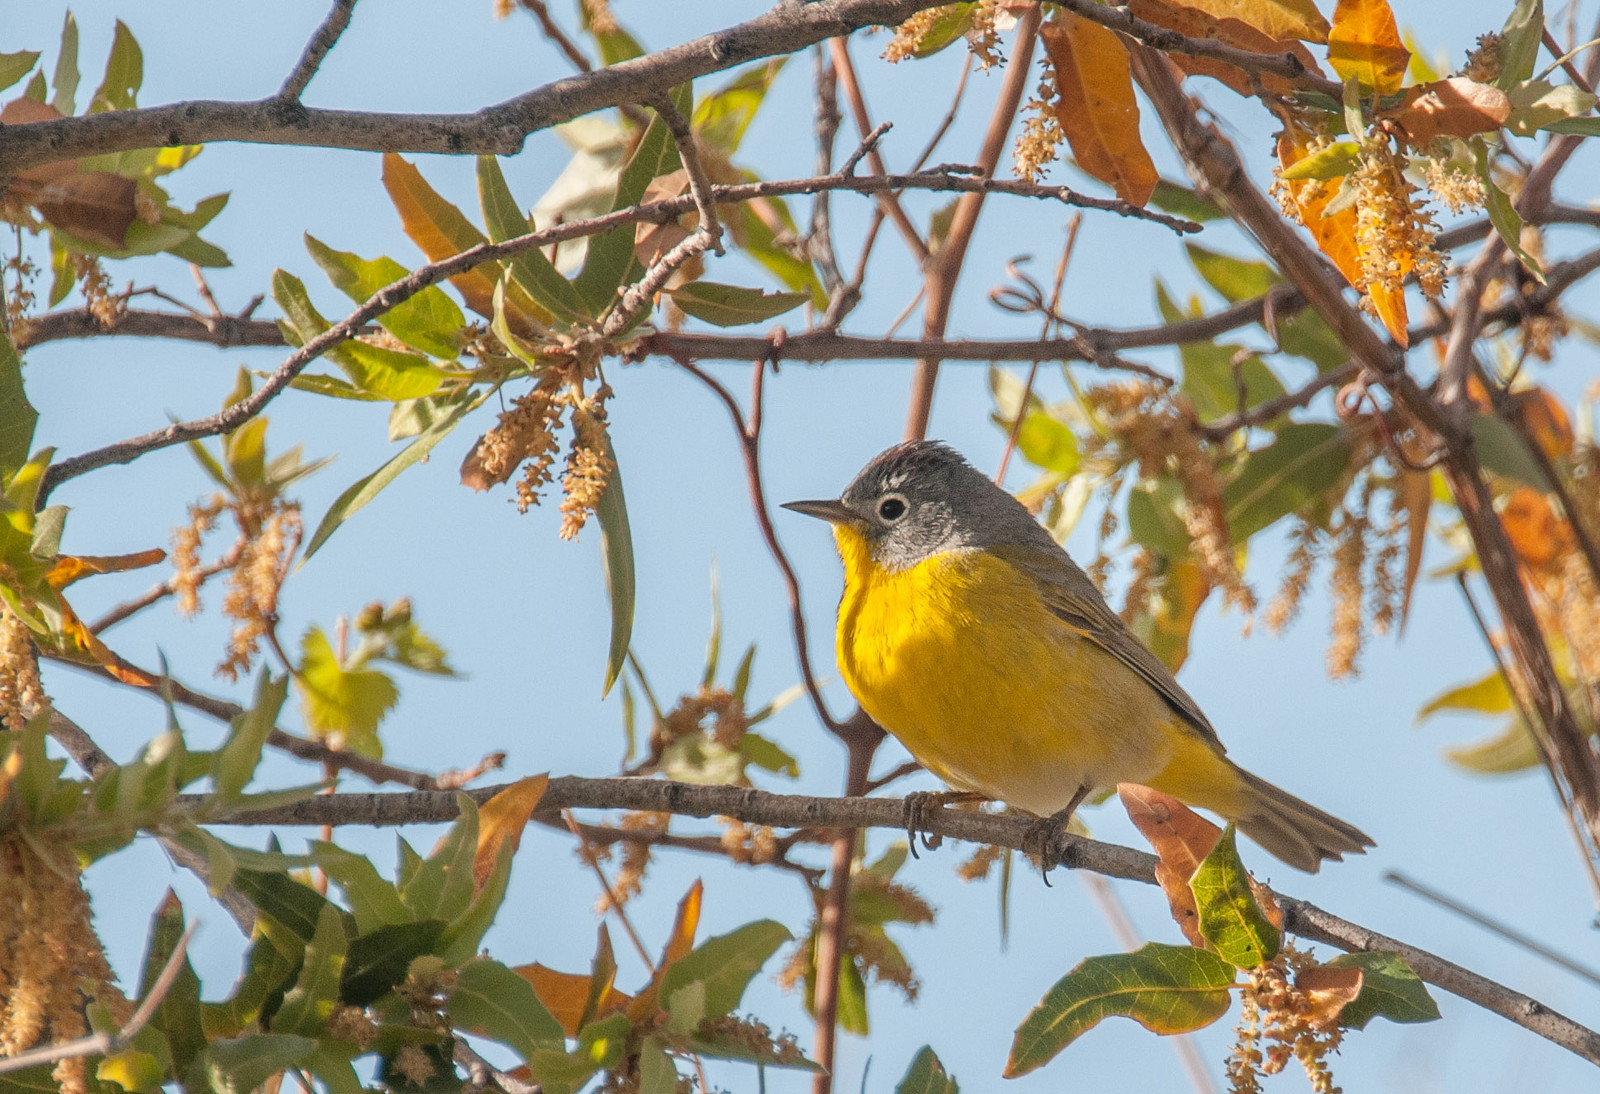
(1071, 597)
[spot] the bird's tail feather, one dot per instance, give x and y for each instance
(1295, 831)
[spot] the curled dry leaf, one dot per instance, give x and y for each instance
(1457, 107)
(651, 241)
(1096, 107)
(1328, 989)
(1181, 839)
(1188, 20)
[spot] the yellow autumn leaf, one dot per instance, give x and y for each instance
(1365, 45)
(1096, 107)
(1275, 18)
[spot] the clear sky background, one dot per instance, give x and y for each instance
(525, 616)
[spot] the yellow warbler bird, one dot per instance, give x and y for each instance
(969, 634)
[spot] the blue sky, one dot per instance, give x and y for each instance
(524, 615)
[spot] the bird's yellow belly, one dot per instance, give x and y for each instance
(959, 660)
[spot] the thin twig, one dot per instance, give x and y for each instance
(1489, 923)
(167, 588)
(945, 269)
(109, 1044)
(613, 898)
(1050, 312)
(322, 41)
(552, 30)
(888, 200)
(481, 1074)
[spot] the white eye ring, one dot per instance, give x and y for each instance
(891, 507)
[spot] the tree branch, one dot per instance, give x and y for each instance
(798, 811)
(321, 42)
(495, 130)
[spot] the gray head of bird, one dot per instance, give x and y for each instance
(920, 499)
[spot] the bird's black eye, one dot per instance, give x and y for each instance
(892, 508)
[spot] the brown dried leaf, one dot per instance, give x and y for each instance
(1193, 23)
(1329, 989)
(1181, 838)
(651, 241)
(474, 475)
(564, 994)
(439, 230)
(1365, 45)
(95, 206)
(1096, 107)
(1457, 107)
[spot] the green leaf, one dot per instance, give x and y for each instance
(1211, 379)
(1303, 463)
(494, 1002)
(927, 1075)
(240, 1065)
(1389, 989)
(657, 1073)
(1230, 919)
(766, 754)
(1335, 161)
(17, 416)
(1306, 334)
(1166, 989)
(364, 490)
(721, 118)
(1153, 517)
(759, 241)
(386, 372)
(1234, 278)
(311, 1001)
(610, 262)
(616, 547)
(14, 66)
(531, 270)
(1502, 450)
(441, 885)
(1519, 43)
(725, 964)
(1506, 753)
(373, 899)
(331, 1063)
(1486, 695)
(234, 764)
(178, 1017)
(686, 1008)
(1048, 442)
(1181, 201)
(429, 321)
(464, 934)
(732, 306)
(266, 978)
(378, 960)
(124, 73)
(342, 703)
(1577, 127)
(1502, 213)
(295, 906)
(1538, 104)
(853, 999)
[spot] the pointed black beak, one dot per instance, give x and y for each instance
(833, 511)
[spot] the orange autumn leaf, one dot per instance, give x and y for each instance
(439, 230)
(679, 943)
(566, 995)
(1277, 19)
(1193, 23)
(1364, 45)
(69, 568)
(1335, 236)
(1537, 534)
(1457, 107)
(1546, 421)
(84, 646)
(1095, 105)
(1181, 839)
(501, 820)
(1390, 304)
(1328, 989)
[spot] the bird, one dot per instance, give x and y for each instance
(969, 634)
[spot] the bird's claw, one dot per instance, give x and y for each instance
(917, 804)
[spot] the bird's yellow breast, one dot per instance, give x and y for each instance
(961, 660)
